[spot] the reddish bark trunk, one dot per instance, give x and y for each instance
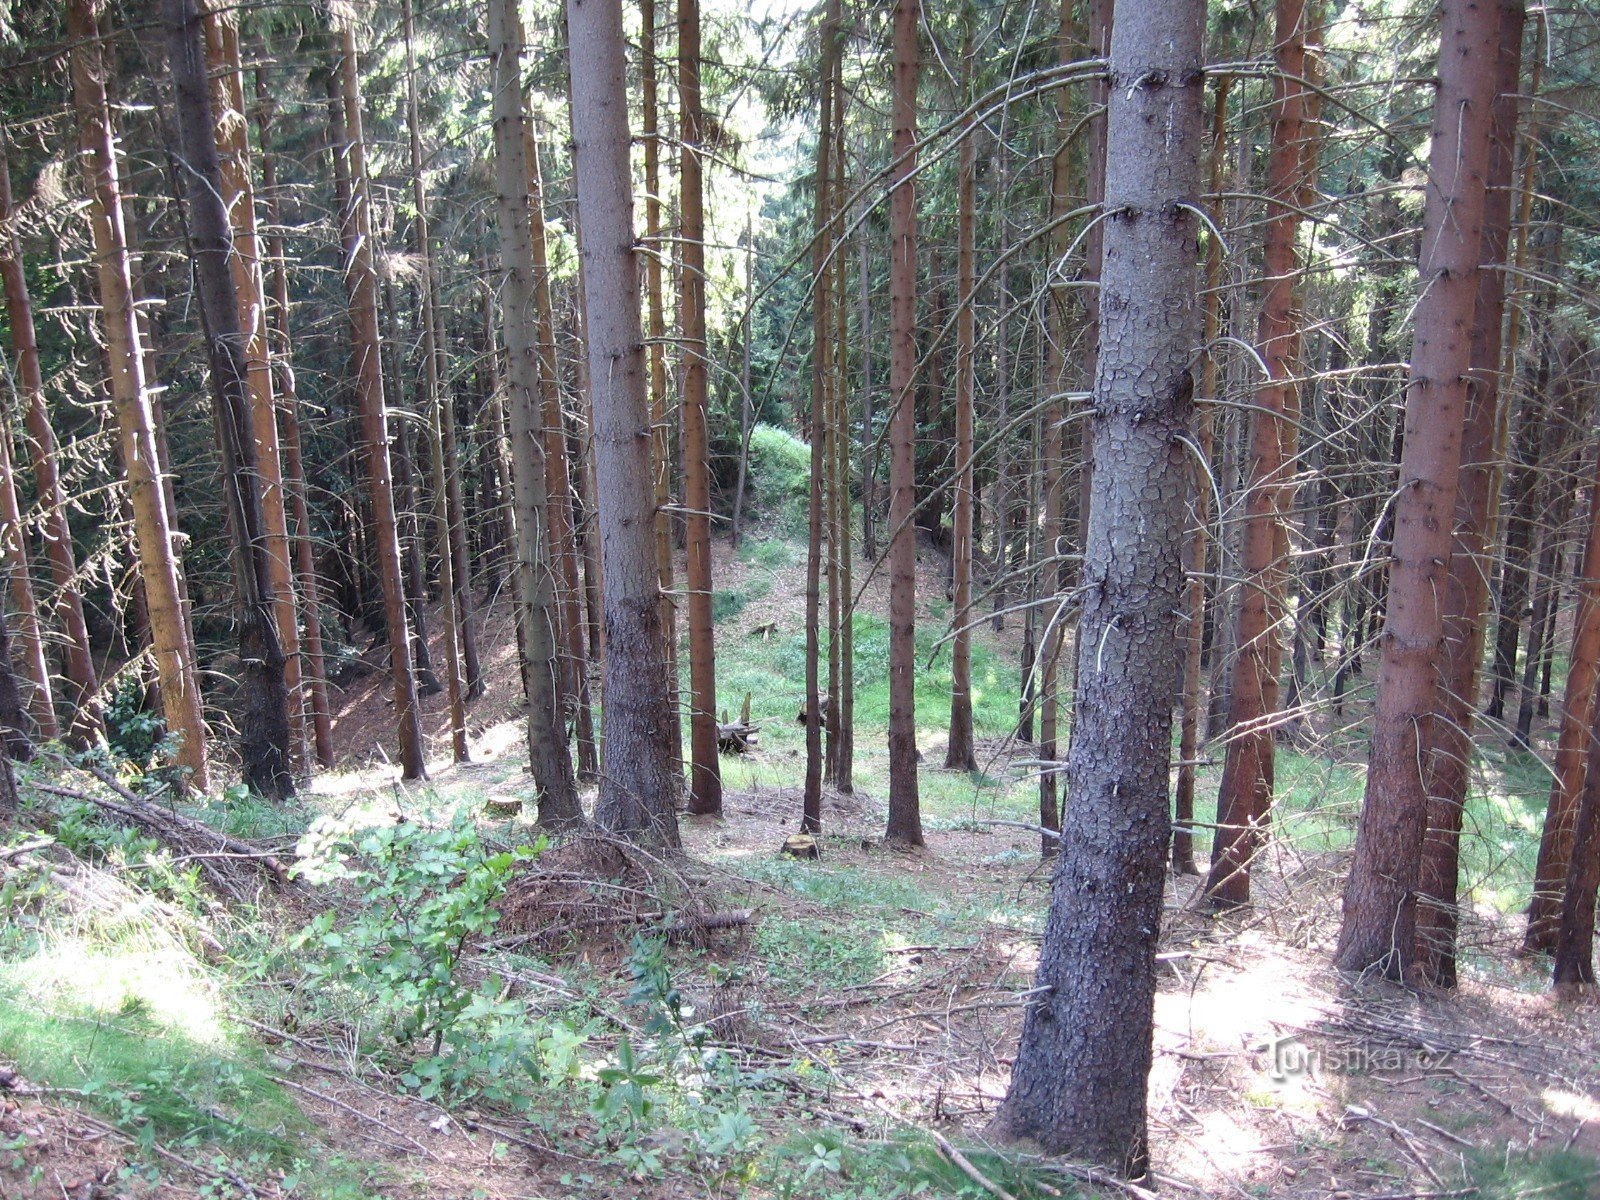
(1450, 755)
(1380, 900)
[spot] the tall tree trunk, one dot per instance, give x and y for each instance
(314, 670)
(1380, 900)
(1245, 795)
(361, 281)
(905, 811)
(1449, 757)
(660, 426)
(640, 781)
(960, 754)
(265, 724)
(821, 377)
(86, 723)
(558, 482)
(842, 748)
(174, 652)
(1194, 627)
(1535, 444)
(548, 750)
(1052, 468)
(439, 407)
(1079, 1082)
(705, 772)
(232, 141)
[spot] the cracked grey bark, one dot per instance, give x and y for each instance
(1078, 1086)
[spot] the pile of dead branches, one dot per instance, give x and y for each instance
(232, 867)
(592, 892)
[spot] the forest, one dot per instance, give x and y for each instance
(808, 601)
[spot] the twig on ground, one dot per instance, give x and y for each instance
(355, 1112)
(964, 1165)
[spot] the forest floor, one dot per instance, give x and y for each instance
(737, 1023)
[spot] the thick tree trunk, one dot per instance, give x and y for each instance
(905, 814)
(548, 750)
(174, 652)
(1380, 900)
(361, 281)
(265, 723)
(960, 755)
(640, 781)
(1078, 1085)
(1449, 757)
(1244, 797)
(705, 769)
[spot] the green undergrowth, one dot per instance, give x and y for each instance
(116, 995)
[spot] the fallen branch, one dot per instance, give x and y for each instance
(178, 831)
(964, 1164)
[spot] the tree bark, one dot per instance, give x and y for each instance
(1079, 1082)
(174, 652)
(1194, 626)
(960, 754)
(842, 745)
(1573, 937)
(705, 770)
(822, 266)
(1380, 899)
(905, 813)
(558, 480)
(548, 750)
(1449, 757)
(1052, 453)
(1245, 795)
(660, 425)
(640, 781)
(361, 281)
(232, 141)
(265, 723)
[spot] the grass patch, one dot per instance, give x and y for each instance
(1557, 1175)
